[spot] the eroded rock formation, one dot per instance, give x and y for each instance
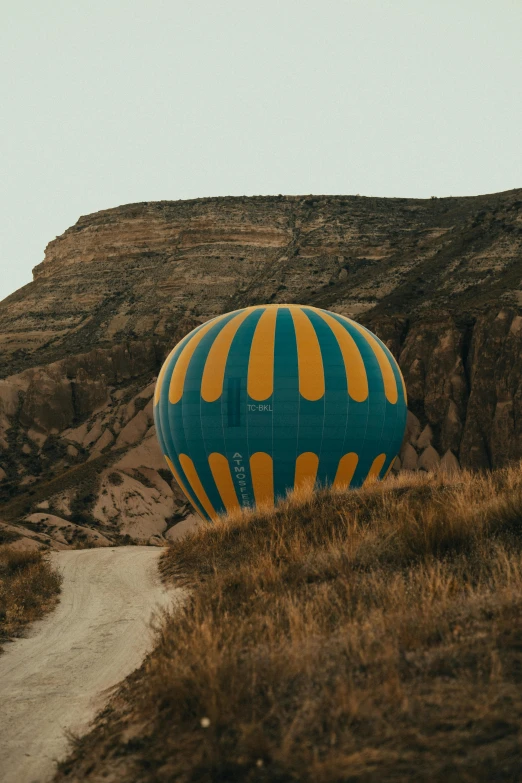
(439, 280)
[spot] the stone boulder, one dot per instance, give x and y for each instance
(429, 460)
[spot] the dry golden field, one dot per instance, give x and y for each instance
(371, 635)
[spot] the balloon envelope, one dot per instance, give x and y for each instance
(271, 398)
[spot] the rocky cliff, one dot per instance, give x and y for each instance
(439, 280)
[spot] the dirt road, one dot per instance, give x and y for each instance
(58, 677)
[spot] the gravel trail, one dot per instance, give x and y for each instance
(60, 675)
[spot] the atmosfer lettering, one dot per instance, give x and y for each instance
(240, 475)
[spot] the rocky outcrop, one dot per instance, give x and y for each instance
(81, 462)
(137, 271)
(464, 383)
(438, 280)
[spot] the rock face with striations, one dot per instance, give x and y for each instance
(439, 280)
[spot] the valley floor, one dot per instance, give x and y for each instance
(373, 635)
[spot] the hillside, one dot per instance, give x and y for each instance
(439, 280)
(371, 635)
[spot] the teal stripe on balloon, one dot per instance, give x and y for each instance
(234, 409)
(336, 402)
(286, 403)
(185, 416)
(365, 419)
(161, 417)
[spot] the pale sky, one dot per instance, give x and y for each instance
(108, 102)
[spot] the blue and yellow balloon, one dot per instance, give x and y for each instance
(272, 398)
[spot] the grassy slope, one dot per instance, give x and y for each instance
(29, 587)
(368, 636)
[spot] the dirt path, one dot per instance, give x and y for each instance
(58, 677)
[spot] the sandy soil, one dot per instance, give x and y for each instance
(57, 678)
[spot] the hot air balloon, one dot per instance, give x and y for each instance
(272, 398)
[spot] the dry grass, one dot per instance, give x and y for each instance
(29, 587)
(374, 635)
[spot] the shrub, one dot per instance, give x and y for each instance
(29, 586)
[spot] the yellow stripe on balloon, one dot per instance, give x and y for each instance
(310, 360)
(197, 486)
(179, 373)
(214, 372)
(345, 470)
(356, 377)
(260, 383)
(182, 484)
(375, 469)
(388, 376)
(306, 470)
(223, 478)
(262, 470)
(390, 466)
